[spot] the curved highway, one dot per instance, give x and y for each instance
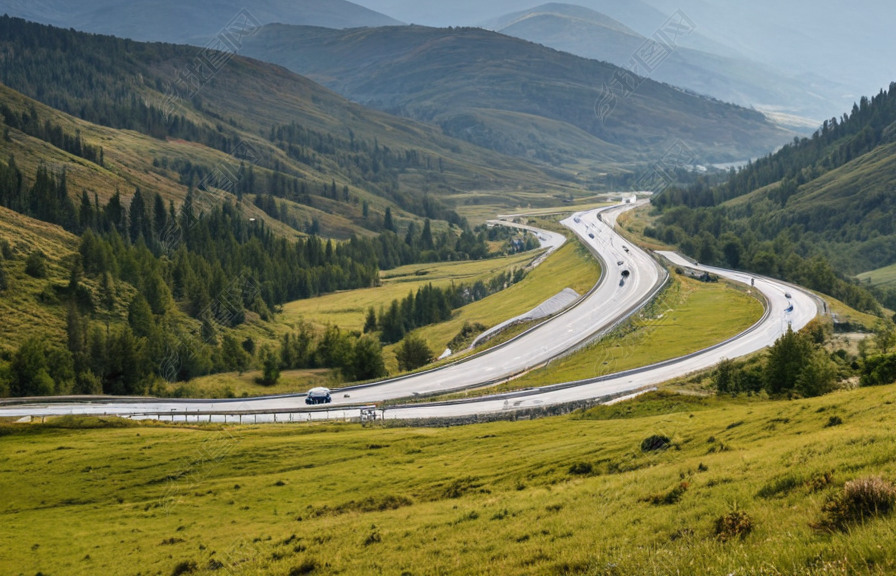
(630, 278)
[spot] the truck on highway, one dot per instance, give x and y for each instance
(318, 395)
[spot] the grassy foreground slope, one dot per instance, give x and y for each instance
(566, 495)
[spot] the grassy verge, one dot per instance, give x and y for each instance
(235, 385)
(688, 316)
(347, 309)
(566, 495)
(570, 267)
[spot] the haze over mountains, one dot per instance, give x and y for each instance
(785, 59)
(513, 96)
(188, 21)
(847, 43)
(591, 34)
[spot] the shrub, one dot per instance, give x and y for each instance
(36, 265)
(307, 566)
(820, 481)
(655, 442)
(734, 524)
(412, 353)
(185, 567)
(581, 468)
(860, 500)
(834, 421)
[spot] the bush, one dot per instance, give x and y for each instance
(655, 442)
(185, 567)
(860, 500)
(36, 265)
(307, 566)
(413, 353)
(581, 468)
(879, 370)
(735, 524)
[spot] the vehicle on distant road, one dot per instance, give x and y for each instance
(591, 235)
(319, 395)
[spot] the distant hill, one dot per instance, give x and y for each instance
(514, 96)
(188, 21)
(310, 136)
(591, 34)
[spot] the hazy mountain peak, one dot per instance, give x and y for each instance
(561, 10)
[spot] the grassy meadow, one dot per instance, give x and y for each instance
(881, 277)
(564, 495)
(572, 266)
(348, 309)
(687, 316)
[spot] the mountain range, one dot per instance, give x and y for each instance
(514, 96)
(189, 21)
(800, 102)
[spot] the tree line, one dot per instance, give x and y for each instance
(29, 123)
(431, 305)
(798, 364)
(711, 237)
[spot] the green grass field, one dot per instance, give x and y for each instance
(348, 309)
(880, 277)
(570, 267)
(564, 495)
(688, 316)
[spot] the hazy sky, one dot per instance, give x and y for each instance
(848, 41)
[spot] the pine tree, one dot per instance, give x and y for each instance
(426, 242)
(270, 367)
(160, 217)
(138, 218)
(370, 321)
(86, 215)
(140, 317)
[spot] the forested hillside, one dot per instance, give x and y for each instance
(818, 210)
(147, 234)
(298, 137)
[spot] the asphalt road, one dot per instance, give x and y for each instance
(607, 304)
